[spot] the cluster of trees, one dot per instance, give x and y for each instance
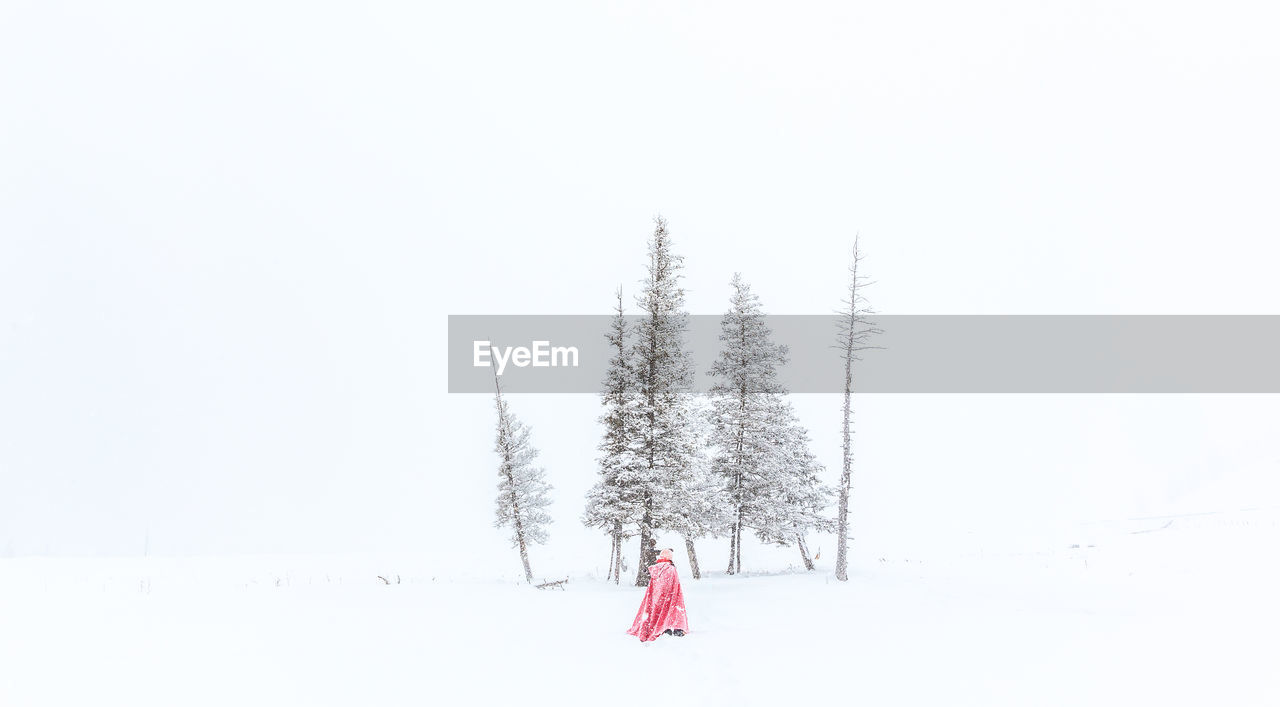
(737, 460)
(695, 466)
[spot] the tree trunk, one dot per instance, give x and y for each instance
(642, 569)
(613, 551)
(735, 546)
(732, 544)
(524, 556)
(519, 528)
(846, 432)
(804, 553)
(617, 564)
(737, 561)
(617, 551)
(693, 558)
(648, 553)
(842, 515)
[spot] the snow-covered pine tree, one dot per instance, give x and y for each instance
(854, 332)
(744, 398)
(702, 508)
(611, 505)
(663, 372)
(523, 492)
(795, 486)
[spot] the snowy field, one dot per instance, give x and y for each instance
(1160, 611)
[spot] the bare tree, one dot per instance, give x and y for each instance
(855, 331)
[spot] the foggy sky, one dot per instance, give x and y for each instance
(230, 235)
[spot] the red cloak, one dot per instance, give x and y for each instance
(663, 605)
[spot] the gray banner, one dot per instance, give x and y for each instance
(918, 354)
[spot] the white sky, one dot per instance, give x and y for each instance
(230, 235)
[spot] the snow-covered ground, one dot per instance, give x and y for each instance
(1158, 611)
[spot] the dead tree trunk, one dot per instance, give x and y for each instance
(693, 558)
(846, 447)
(842, 515)
(854, 330)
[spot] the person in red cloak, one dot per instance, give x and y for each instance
(662, 610)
